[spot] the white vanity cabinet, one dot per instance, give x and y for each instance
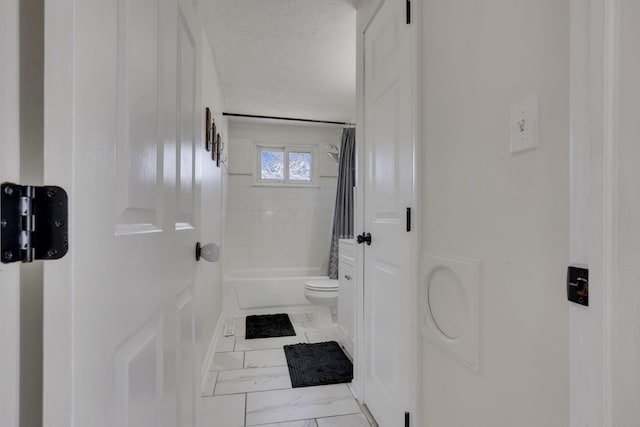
(347, 292)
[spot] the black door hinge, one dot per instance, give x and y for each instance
(33, 223)
(408, 219)
(408, 11)
(406, 419)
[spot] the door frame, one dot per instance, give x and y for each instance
(58, 80)
(10, 165)
(597, 378)
(366, 11)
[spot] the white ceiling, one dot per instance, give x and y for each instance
(292, 58)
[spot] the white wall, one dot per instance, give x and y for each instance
(208, 294)
(509, 211)
(270, 227)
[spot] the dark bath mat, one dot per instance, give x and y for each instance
(318, 364)
(269, 326)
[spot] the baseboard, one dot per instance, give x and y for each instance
(211, 350)
(346, 343)
(356, 389)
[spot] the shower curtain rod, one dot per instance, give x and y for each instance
(291, 119)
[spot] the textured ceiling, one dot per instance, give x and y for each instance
(293, 58)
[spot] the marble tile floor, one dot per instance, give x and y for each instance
(249, 385)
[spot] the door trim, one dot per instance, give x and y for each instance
(594, 208)
(365, 14)
(10, 167)
(59, 61)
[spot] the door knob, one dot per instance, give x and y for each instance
(209, 252)
(364, 237)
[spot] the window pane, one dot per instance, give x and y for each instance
(300, 166)
(272, 164)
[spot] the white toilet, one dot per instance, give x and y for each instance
(323, 294)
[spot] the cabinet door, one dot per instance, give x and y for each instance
(346, 294)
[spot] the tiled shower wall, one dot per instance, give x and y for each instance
(277, 227)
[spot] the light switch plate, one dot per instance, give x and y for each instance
(524, 125)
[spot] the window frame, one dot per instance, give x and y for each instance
(287, 150)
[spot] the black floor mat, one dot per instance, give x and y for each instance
(318, 364)
(269, 326)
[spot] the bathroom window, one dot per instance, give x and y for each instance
(285, 165)
(271, 165)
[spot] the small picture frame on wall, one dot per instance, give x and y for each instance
(213, 141)
(207, 134)
(218, 144)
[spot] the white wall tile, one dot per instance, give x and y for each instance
(277, 227)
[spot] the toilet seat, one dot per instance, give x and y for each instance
(326, 285)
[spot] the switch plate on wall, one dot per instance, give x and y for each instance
(524, 125)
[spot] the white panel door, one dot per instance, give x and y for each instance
(9, 171)
(388, 145)
(121, 136)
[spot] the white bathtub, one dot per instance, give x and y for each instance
(267, 291)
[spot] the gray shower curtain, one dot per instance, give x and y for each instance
(343, 208)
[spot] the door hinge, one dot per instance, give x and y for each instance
(33, 223)
(408, 2)
(406, 419)
(408, 219)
